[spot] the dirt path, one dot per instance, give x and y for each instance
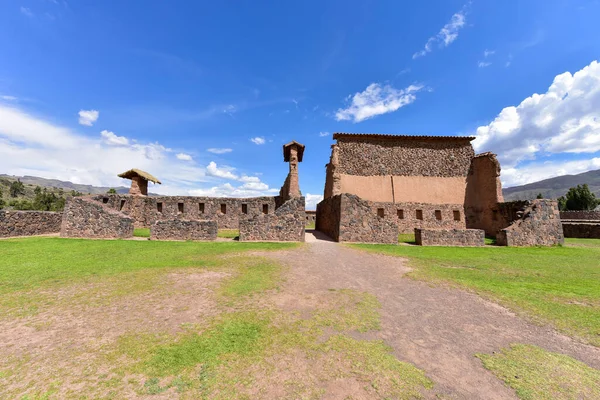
(437, 329)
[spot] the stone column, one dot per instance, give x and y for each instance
(139, 186)
(294, 186)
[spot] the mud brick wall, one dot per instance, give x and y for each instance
(311, 217)
(329, 212)
(145, 211)
(450, 237)
(584, 215)
(29, 223)
(409, 216)
(286, 224)
(536, 223)
(359, 223)
(85, 217)
(404, 156)
(179, 229)
(583, 230)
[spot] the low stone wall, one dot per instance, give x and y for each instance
(409, 216)
(584, 230)
(179, 229)
(29, 223)
(87, 218)
(286, 224)
(584, 215)
(449, 237)
(328, 216)
(360, 223)
(536, 223)
(311, 217)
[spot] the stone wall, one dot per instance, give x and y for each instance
(403, 156)
(483, 193)
(29, 223)
(311, 217)
(180, 229)
(583, 230)
(226, 211)
(535, 223)
(329, 212)
(409, 216)
(449, 237)
(360, 223)
(286, 224)
(86, 217)
(584, 215)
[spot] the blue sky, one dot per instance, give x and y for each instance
(203, 95)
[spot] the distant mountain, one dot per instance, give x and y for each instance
(54, 183)
(554, 187)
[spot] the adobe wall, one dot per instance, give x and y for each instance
(583, 230)
(450, 237)
(483, 193)
(404, 156)
(329, 212)
(29, 223)
(87, 218)
(180, 229)
(536, 223)
(581, 215)
(145, 210)
(286, 224)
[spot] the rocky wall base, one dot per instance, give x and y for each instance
(29, 223)
(450, 237)
(86, 218)
(286, 224)
(179, 229)
(537, 223)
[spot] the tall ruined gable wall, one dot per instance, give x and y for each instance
(404, 157)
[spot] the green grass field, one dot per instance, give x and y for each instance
(560, 285)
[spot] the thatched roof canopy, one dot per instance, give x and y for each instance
(132, 173)
(287, 147)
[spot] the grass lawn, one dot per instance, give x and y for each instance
(310, 226)
(228, 233)
(141, 232)
(126, 319)
(560, 285)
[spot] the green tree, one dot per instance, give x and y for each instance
(37, 190)
(539, 196)
(17, 188)
(2, 203)
(112, 191)
(578, 198)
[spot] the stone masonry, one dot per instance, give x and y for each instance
(86, 218)
(580, 215)
(450, 237)
(584, 230)
(535, 223)
(180, 229)
(29, 223)
(285, 224)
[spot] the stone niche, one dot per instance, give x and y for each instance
(450, 237)
(180, 229)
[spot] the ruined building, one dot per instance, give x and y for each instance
(380, 185)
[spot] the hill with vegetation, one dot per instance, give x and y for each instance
(553, 188)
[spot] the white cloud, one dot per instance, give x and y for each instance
(312, 200)
(486, 62)
(225, 172)
(447, 35)
(258, 140)
(184, 157)
(228, 190)
(111, 139)
(323, 134)
(483, 64)
(487, 53)
(88, 117)
(8, 98)
(219, 150)
(249, 179)
(538, 171)
(376, 100)
(26, 11)
(565, 119)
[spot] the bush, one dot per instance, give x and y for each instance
(17, 188)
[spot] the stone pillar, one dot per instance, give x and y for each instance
(139, 186)
(294, 186)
